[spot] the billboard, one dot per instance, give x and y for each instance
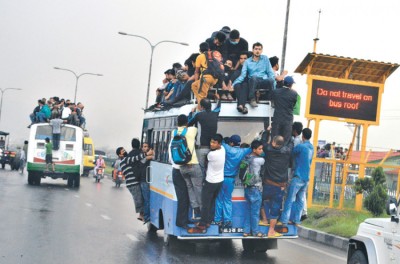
(344, 101)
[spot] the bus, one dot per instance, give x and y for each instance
(157, 130)
(88, 155)
(68, 158)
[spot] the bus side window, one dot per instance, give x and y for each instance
(167, 140)
(162, 147)
(157, 145)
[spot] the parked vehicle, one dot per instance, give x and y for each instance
(377, 239)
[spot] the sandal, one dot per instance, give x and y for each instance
(245, 110)
(261, 223)
(246, 234)
(276, 234)
(259, 234)
(240, 108)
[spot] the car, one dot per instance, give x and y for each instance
(377, 239)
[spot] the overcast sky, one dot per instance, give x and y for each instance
(81, 35)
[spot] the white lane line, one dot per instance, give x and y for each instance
(89, 204)
(132, 237)
(317, 250)
(77, 196)
(66, 189)
(106, 217)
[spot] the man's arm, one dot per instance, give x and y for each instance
(192, 118)
(242, 76)
(134, 158)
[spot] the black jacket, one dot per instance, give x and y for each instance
(277, 162)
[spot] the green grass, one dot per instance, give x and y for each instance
(342, 223)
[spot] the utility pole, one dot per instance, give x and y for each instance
(285, 36)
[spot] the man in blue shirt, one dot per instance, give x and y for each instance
(259, 74)
(302, 155)
(233, 156)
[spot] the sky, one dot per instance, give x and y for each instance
(37, 36)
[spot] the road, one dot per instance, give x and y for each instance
(96, 223)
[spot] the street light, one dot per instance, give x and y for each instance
(151, 57)
(77, 78)
(2, 93)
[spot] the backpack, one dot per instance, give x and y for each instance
(214, 64)
(180, 153)
(244, 174)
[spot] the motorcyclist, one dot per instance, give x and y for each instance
(99, 164)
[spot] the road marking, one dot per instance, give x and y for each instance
(318, 250)
(89, 204)
(77, 196)
(66, 189)
(132, 237)
(106, 217)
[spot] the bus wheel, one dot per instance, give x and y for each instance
(168, 239)
(70, 181)
(30, 178)
(77, 180)
(38, 178)
(151, 228)
(248, 245)
(3, 165)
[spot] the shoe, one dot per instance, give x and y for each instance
(253, 103)
(245, 110)
(257, 97)
(303, 217)
(196, 230)
(259, 234)
(240, 108)
(276, 234)
(228, 224)
(29, 126)
(230, 98)
(140, 218)
(218, 223)
(246, 234)
(223, 97)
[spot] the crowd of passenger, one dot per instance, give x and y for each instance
(224, 65)
(58, 109)
(205, 179)
(330, 150)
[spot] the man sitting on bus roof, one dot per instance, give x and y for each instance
(259, 72)
(233, 157)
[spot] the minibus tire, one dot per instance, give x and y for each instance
(77, 180)
(38, 178)
(70, 181)
(30, 178)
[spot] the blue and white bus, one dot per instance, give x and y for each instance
(157, 129)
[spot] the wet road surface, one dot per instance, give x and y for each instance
(96, 223)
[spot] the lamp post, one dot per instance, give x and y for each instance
(151, 57)
(77, 78)
(2, 93)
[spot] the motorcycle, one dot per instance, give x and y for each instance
(99, 174)
(118, 179)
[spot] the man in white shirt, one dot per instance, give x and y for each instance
(212, 184)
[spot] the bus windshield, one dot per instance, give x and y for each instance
(247, 130)
(67, 133)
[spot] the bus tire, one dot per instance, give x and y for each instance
(358, 257)
(151, 228)
(3, 165)
(248, 245)
(38, 178)
(30, 178)
(77, 180)
(167, 239)
(70, 181)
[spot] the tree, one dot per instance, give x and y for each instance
(376, 190)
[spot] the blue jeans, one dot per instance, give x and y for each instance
(145, 187)
(41, 117)
(295, 201)
(252, 213)
(223, 205)
(194, 182)
(273, 196)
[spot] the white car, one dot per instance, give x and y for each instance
(377, 239)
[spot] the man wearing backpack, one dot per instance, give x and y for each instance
(259, 73)
(208, 68)
(190, 169)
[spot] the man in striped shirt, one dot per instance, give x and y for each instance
(131, 168)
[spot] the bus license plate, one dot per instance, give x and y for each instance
(232, 230)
